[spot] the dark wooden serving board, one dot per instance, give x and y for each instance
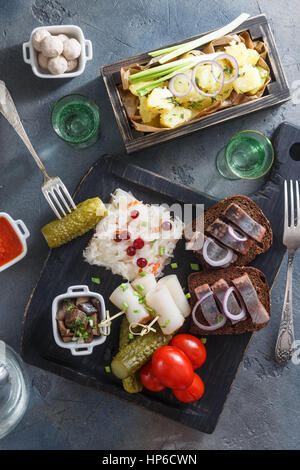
(65, 267)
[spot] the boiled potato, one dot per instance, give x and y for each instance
(264, 75)
(181, 84)
(204, 77)
(252, 56)
(242, 54)
(176, 116)
(226, 91)
(146, 113)
(160, 99)
(263, 72)
(249, 79)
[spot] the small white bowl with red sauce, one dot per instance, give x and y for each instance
(13, 235)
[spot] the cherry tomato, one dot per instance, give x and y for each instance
(193, 393)
(192, 347)
(148, 378)
(172, 367)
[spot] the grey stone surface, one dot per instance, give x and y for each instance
(262, 411)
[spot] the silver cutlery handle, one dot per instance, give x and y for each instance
(285, 341)
(9, 111)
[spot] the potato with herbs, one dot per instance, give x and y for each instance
(171, 93)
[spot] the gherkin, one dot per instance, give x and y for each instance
(78, 222)
(133, 356)
(131, 384)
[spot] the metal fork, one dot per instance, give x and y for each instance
(53, 188)
(291, 239)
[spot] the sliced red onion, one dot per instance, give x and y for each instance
(236, 235)
(239, 316)
(202, 62)
(221, 262)
(235, 64)
(207, 327)
(172, 88)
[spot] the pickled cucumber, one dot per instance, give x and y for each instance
(137, 352)
(78, 222)
(124, 333)
(131, 384)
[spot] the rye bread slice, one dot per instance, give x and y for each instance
(258, 280)
(253, 211)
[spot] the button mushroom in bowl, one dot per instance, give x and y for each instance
(57, 51)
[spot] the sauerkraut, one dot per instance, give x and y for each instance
(154, 225)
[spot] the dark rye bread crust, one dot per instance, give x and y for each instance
(253, 211)
(258, 280)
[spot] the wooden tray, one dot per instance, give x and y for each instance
(65, 267)
(276, 92)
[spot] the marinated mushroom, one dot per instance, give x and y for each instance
(78, 318)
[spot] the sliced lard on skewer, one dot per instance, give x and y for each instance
(249, 295)
(221, 231)
(145, 284)
(209, 307)
(219, 289)
(170, 319)
(174, 287)
(243, 221)
(125, 296)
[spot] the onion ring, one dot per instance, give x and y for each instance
(238, 317)
(231, 59)
(212, 62)
(227, 258)
(207, 327)
(235, 235)
(172, 89)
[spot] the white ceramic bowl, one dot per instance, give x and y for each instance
(30, 54)
(22, 233)
(75, 348)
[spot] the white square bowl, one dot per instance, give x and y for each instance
(22, 233)
(30, 54)
(75, 348)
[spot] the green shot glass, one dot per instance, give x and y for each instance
(247, 155)
(76, 120)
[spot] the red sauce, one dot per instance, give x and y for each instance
(10, 244)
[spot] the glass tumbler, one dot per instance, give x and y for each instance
(14, 389)
(76, 120)
(248, 155)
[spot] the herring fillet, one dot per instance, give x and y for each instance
(219, 230)
(242, 220)
(219, 289)
(249, 295)
(209, 306)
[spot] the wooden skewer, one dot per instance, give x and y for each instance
(108, 326)
(109, 319)
(146, 330)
